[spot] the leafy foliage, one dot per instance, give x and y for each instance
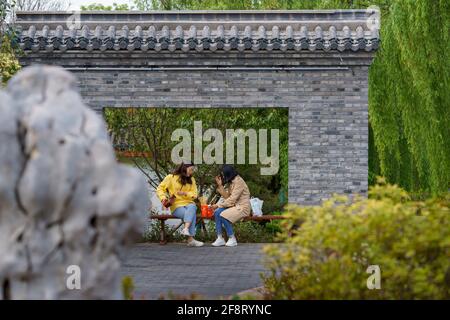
(9, 63)
(332, 245)
(245, 232)
(127, 287)
(252, 4)
(409, 96)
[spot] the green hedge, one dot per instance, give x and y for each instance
(250, 232)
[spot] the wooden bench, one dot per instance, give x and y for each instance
(201, 220)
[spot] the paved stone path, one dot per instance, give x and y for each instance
(209, 271)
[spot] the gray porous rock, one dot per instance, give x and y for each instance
(64, 199)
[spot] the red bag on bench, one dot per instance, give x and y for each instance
(206, 211)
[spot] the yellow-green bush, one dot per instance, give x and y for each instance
(327, 256)
(127, 287)
(9, 64)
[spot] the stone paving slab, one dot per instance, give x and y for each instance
(208, 271)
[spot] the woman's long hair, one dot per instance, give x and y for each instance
(228, 173)
(181, 171)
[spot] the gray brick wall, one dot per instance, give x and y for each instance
(328, 116)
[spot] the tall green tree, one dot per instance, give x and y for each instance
(255, 4)
(409, 96)
(9, 64)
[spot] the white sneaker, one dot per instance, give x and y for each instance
(219, 242)
(195, 243)
(185, 232)
(231, 242)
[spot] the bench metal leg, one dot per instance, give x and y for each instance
(162, 239)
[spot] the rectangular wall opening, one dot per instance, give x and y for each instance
(253, 140)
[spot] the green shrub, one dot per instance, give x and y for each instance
(152, 234)
(273, 227)
(127, 287)
(331, 247)
(9, 64)
(251, 232)
(245, 232)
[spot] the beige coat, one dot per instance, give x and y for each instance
(237, 200)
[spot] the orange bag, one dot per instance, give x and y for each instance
(207, 211)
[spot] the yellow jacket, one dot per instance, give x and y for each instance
(171, 185)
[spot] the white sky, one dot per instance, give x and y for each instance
(75, 4)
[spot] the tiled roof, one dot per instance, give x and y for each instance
(198, 31)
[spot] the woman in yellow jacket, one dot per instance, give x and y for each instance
(180, 190)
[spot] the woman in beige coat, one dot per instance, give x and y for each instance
(235, 207)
